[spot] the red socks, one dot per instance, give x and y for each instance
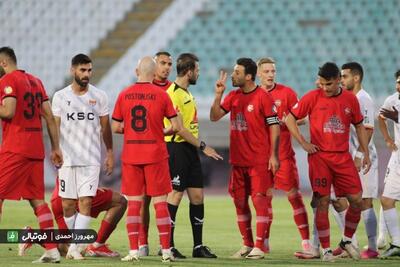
(352, 219)
(163, 221)
(322, 223)
(300, 215)
(45, 219)
(243, 214)
(133, 222)
(260, 205)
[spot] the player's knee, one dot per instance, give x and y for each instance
(175, 197)
(123, 203)
(387, 203)
(367, 204)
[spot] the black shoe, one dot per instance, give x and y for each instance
(203, 252)
(176, 254)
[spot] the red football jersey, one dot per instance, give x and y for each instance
(284, 98)
(142, 107)
(23, 133)
(330, 118)
(251, 113)
(163, 85)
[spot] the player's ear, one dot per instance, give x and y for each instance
(72, 70)
(137, 72)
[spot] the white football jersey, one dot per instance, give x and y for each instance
(368, 111)
(390, 102)
(80, 130)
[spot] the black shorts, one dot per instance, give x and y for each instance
(184, 166)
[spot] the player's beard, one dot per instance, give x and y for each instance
(82, 83)
(193, 80)
(237, 83)
(2, 72)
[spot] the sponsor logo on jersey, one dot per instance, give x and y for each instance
(250, 108)
(8, 90)
(80, 116)
(239, 123)
(278, 102)
(334, 125)
(347, 111)
(274, 109)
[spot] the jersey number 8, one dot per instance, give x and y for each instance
(139, 120)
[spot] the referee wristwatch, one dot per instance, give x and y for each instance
(202, 145)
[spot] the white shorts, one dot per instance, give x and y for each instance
(392, 178)
(78, 181)
(370, 183)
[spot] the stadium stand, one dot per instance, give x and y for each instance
(46, 34)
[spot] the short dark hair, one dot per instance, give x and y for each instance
(185, 62)
(80, 59)
(355, 69)
(9, 52)
(328, 71)
(250, 67)
(162, 53)
(397, 74)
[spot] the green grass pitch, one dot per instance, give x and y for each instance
(220, 234)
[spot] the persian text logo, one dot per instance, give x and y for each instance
(12, 236)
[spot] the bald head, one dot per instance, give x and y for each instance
(146, 69)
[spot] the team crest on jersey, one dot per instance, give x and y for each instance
(92, 102)
(347, 111)
(250, 108)
(8, 90)
(334, 125)
(278, 102)
(274, 109)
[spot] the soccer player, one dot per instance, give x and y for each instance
(113, 203)
(82, 116)
(331, 111)
(164, 65)
(184, 161)
(23, 103)
(138, 114)
(254, 146)
(391, 191)
(352, 75)
(287, 177)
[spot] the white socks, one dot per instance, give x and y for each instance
(392, 225)
(382, 225)
(315, 240)
(70, 221)
(370, 222)
(82, 221)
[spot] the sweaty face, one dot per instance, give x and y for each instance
(82, 74)
(194, 74)
(267, 73)
(347, 79)
(238, 76)
(330, 87)
(164, 66)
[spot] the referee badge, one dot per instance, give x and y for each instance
(8, 90)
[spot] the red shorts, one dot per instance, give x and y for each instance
(246, 181)
(21, 177)
(146, 179)
(337, 169)
(101, 202)
(287, 176)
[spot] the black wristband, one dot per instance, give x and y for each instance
(202, 145)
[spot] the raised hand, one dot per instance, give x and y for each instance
(220, 83)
